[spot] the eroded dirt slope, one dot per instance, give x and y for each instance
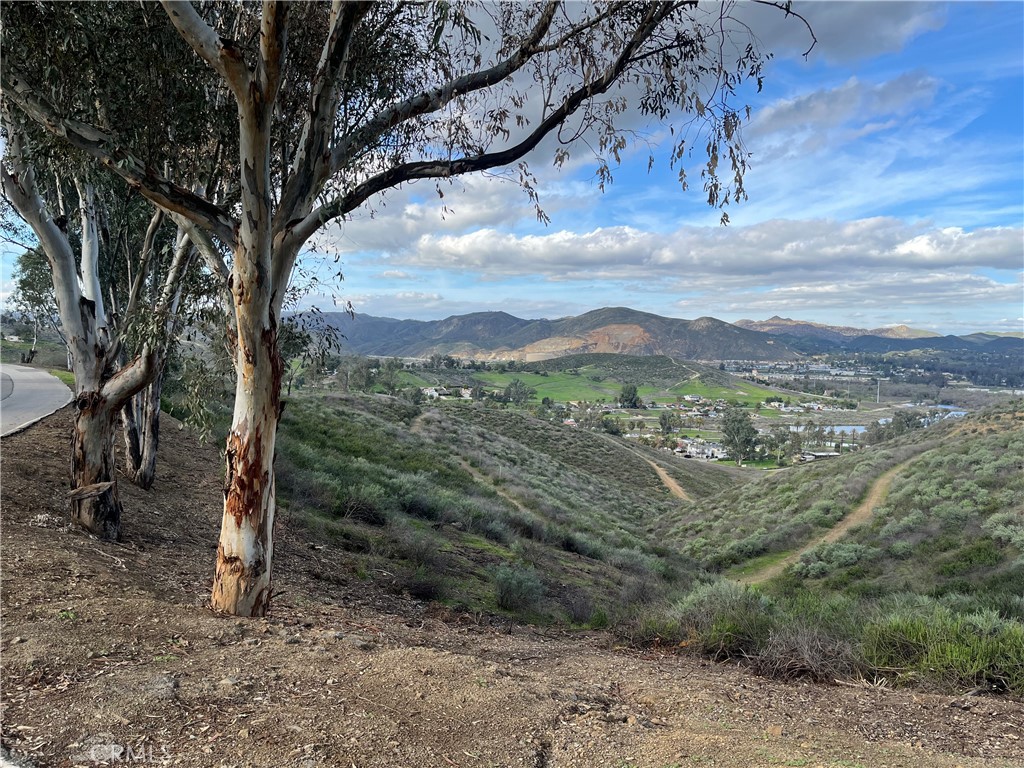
(107, 644)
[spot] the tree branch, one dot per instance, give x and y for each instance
(787, 8)
(212, 258)
(433, 100)
(20, 188)
(273, 40)
(220, 53)
(143, 267)
(311, 167)
(118, 160)
(393, 177)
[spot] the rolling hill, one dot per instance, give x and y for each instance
(620, 330)
(498, 335)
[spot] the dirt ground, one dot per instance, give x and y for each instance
(110, 657)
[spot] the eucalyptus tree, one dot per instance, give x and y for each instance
(338, 103)
(738, 434)
(33, 297)
(114, 270)
(104, 381)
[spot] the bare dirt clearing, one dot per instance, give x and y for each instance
(108, 644)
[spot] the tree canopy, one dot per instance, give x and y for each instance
(738, 434)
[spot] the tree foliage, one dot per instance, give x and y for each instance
(629, 398)
(738, 434)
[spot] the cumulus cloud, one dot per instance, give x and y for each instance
(769, 249)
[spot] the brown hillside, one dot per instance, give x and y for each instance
(112, 644)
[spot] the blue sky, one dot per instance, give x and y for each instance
(887, 187)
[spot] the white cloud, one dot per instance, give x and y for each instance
(767, 250)
(847, 31)
(854, 102)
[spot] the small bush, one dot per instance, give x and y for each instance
(366, 503)
(418, 547)
(636, 592)
(579, 606)
(529, 552)
(582, 544)
(727, 619)
(517, 588)
(801, 650)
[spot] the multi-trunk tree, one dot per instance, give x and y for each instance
(106, 378)
(338, 103)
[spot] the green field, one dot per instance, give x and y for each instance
(560, 387)
(565, 386)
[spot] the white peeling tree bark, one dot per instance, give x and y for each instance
(245, 551)
(101, 389)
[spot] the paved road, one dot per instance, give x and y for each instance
(27, 395)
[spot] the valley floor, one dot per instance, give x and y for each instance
(112, 645)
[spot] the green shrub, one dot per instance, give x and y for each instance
(418, 547)
(901, 550)
(517, 588)
(636, 592)
(727, 619)
(933, 644)
(365, 502)
(599, 619)
(424, 584)
(581, 544)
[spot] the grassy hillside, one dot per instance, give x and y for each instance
(486, 510)
(783, 510)
(950, 480)
(953, 523)
(929, 590)
(594, 454)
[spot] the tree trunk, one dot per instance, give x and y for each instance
(241, 585)
(95, 505)
(141, 424)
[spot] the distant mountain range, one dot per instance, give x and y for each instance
(499, 335)
(836, 333)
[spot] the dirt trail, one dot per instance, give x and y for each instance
(861, 514)
(667, 480)
(673, 487)
(416, 427)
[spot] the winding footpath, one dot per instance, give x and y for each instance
(861, 514)
(667, 480)
(673, 487)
